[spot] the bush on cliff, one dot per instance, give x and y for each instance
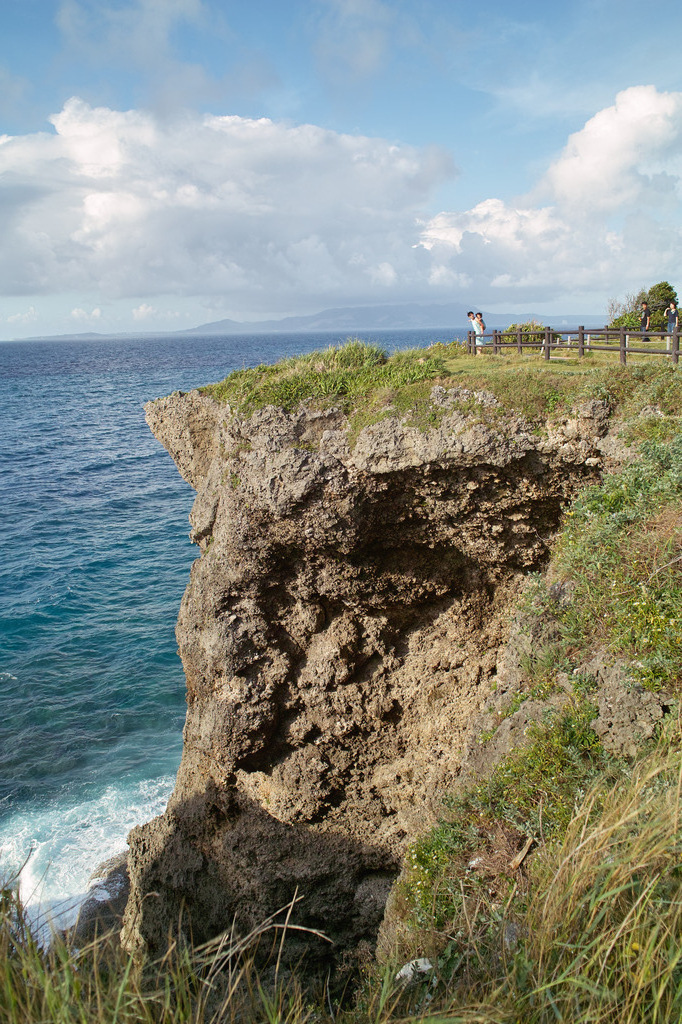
(531, 331)
(621, 550)
(345, 373)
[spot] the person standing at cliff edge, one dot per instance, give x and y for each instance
(644, 320)
(672, 314)
(478, 328)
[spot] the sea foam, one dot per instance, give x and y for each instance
(55, 849)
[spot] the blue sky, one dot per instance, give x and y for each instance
(165, 163)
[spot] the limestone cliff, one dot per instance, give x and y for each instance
(339, 632)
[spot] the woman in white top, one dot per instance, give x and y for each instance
(476, 324)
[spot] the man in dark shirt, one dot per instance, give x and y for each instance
(644, 320)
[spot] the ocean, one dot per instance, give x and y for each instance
(94, 557)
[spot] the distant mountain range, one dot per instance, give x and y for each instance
(347, 319)
(385, 318)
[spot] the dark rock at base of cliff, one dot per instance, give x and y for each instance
(101, 913)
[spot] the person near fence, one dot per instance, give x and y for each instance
(644, 320)
(478, 326)
(673, 316)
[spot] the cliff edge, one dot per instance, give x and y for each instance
(339, 632)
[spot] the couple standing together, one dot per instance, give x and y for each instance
(671, 313)
(478, 324)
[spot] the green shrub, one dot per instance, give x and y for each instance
(629, 320)
(530, 327)
(346, 374)
(621, 548)
(627, 314)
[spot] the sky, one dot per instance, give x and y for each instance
(168, 163)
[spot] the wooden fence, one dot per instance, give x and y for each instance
(580, 340)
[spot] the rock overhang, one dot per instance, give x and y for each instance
(339, 632)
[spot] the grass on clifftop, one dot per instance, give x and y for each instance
(368, 384)
(344, 373)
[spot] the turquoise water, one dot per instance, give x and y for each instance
(94, 557)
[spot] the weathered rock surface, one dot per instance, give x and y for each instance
(627, 714)
(339, 632)
(102, 910)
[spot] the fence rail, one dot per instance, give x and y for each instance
(581, 339)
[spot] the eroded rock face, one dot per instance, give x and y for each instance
(338, 633)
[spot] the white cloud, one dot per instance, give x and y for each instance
(144, 312)
(255, 216)
(627, 154)
(82, 314)
(605, 217)
(385, 274)
(492, 221)
(260, 214)
(30, 316)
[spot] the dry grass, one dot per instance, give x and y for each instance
(595, 938)
(217, 983)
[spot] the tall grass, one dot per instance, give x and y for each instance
(603, 935)
(99, 984)
(345, 373)
(595, 933)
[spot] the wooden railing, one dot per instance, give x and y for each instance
(578, 341)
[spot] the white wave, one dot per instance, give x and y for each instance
(55, 849)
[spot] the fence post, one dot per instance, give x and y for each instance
(468, 342)
(676, 345)
(623, 347)
(546, 346)
(518, 341)
(581, 342)
(496, 347)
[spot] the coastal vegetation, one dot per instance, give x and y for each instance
(591, 930)
(533, 330)
(345, 374)
(626, 312)
(359, 377)
(551, 889)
